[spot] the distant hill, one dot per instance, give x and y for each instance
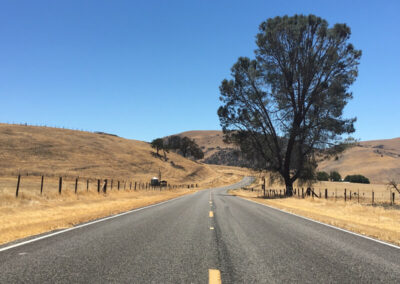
(51, 151)
(379, 160)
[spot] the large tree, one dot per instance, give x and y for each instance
(287, 104)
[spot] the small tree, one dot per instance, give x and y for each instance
(322, 176)
(356, 179)
(335, 176)
(157, 144)
(392, 184)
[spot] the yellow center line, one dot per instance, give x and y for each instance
(214, 276)
(211, 214)
(211, 228)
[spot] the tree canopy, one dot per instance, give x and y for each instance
(287, 104)
(185, 146)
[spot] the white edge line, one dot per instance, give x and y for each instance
(89, 223)
(321, 223)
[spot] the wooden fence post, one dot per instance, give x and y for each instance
(18, 182)
(373, 198)
(87, 185)
(135, 185)
(111, 183)
(98, 186)
(392, 198)
(41, 185)
(118, 185)
(345, 195)
(326, 193)
(105, 186)
(358, 195)
(60, 185)
(76, 185)
(302, 192)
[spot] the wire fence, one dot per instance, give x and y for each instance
(362, 196)
(48, 185)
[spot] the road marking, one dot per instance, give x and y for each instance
(211, 228)
(214, 276)
(211, 214)
(330, 226)
(89, 223)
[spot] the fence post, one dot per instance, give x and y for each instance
(60, 185)
(87, 185)
(345, 195)
(111, 184)
(326, 193)
(302, 192)
(124, 184)
(118, 185)
(41, 185)
(135, 185)
(76, 185)
(98, 186)
(350, 194)
(358, 195)
(18, 182)
(372, 198)
(392, 198)
(105, 186)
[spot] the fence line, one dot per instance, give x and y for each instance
(348, 195)
(102, 185)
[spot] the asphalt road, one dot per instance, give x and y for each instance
(178, 242)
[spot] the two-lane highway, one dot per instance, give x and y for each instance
(206, 234)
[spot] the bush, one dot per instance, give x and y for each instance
(322, 176)
(356, 179)
(335, 176)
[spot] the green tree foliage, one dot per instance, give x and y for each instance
(356, 179)
(322, 176)
(184, 146)
(157, 144)
(335, 176)
(287, 104)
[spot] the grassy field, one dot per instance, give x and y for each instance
(379, 221)
(34, 213)
(336, 190)
(379, 160)
(35, 151)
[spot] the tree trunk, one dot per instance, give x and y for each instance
(289, 187)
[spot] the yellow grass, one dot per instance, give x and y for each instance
(379, 160)
(36, 151)
(28, 216)
(375, 221)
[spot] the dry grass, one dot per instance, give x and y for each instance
(35, 151)
(375, 221)
(382, 193)
(61, 152)
(379, 160)
(31, 215)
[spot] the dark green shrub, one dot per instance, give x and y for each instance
(322, 176)
(335, 176)
(356, 179)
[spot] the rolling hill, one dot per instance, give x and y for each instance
(32, 150)
(379, 160)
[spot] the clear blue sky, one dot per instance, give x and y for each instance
(145, 69)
